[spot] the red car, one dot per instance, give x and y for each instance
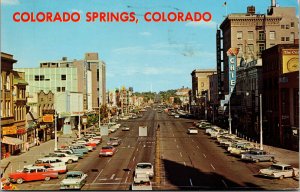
(32, 174)
(107, 151)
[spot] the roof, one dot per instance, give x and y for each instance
(74, 172)
(281, 164)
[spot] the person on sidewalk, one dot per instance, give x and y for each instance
(27, 146)
(37, 141)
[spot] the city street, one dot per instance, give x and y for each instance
(188, 162)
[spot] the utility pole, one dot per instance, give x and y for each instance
(99, 116)
(229, 115)
(260, 114)
(55, 131)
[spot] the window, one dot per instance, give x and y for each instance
(282, 38)
(272, 35)
(239, 35)
(287, 39)
(261, 47)
(42, 77)
(292, 24)
(63, 89)
(292, 37)
(58, 89)
(36, 78)
(63, 77)
(261, 35)
(250, 48)
(250, 35)
(282, 26)
(287, 26)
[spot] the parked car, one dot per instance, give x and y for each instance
(114, 141)
(107, 151)
(79, 148)
(125, 129)
(279, 171)
(176, 115)
(257, 155)
(141, 182)
(50, 163)
(144, 168)
(70, 152)
(64, 157)
(192, 130)
(89, 148)
(34, 173)
(73, 180)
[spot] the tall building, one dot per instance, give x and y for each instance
(252, 33)
(13, 107)
(281, 95)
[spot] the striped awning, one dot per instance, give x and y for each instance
(12, 141)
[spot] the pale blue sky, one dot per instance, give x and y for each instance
(137, 55)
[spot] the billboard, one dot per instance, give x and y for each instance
(231, 53)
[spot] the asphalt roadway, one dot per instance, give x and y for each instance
(187, 162)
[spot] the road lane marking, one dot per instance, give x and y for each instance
(173, 135)
(126, 179)
(180, 154)
(144, 146)
(117, 150)
(193, 140)
(212, 166)
(184, 163)
(104, 179)
(177, 146)
(128, 146)
(133, 158)
(175, 140)
(137, 149)
(128, 172)
(191, 182)
(97, 176)
(204, 155)
(224, 183)
(109, 160)
(112, 177)
(197, 146)
(118, 179)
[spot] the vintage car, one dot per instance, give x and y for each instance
(257, 155)
(73, 180)
(50, 163)
(192, 130)
(70, 152)
(146, 168)
(141, 182)
(64, 157)
(33, 173)
(125, 128)
(79, 148)
(279, 171)
(89, 148)
(114, 141)
(107, 151)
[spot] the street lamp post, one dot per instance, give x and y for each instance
(261, 130)
(55, 131)
(229, 115)
(99, 117)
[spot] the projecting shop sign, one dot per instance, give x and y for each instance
(231, 53)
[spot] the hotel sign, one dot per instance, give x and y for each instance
(12, 130)
(231, 53)
(290, 60)
(48, 118)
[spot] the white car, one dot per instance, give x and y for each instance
(141, 182)
(73, 180)
(176, 116)
(65, 157)
(144, 168)
(192, 131)
(51, 163)
(279, 171)
(125, 129)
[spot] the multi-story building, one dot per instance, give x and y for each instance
(13, 107)
(281, 95)
(200, 90)
(252, 33)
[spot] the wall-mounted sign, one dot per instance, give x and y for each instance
(290, 60)
(21, 131)
(48, 118)
(84, 120)
(11, 130)
(232, 52)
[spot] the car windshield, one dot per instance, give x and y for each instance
(73, 176)
(108, 147)
(275, 167)
(143, 166)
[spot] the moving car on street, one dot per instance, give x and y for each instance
(125, 129)
(114, 141)
(192, 130)
(279, 171)
(34, 173)
(144, 168)
(73, 180)
(107, 151)
(141, 182)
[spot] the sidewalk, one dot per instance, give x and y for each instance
(283, 155)
(13, 163)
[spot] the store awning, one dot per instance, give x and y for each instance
(12, 141)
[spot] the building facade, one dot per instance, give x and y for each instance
(281, 95)
(252, 33)
(13, 108)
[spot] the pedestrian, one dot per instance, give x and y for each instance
(38, 141)
(27, 146)
(35, 141)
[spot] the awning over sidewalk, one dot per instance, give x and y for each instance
(12, 141)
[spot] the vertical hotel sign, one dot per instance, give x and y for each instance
(232, 53)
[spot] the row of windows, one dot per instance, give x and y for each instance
(288, 26)
(272, 35)
(42, 78)
(61, 89)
